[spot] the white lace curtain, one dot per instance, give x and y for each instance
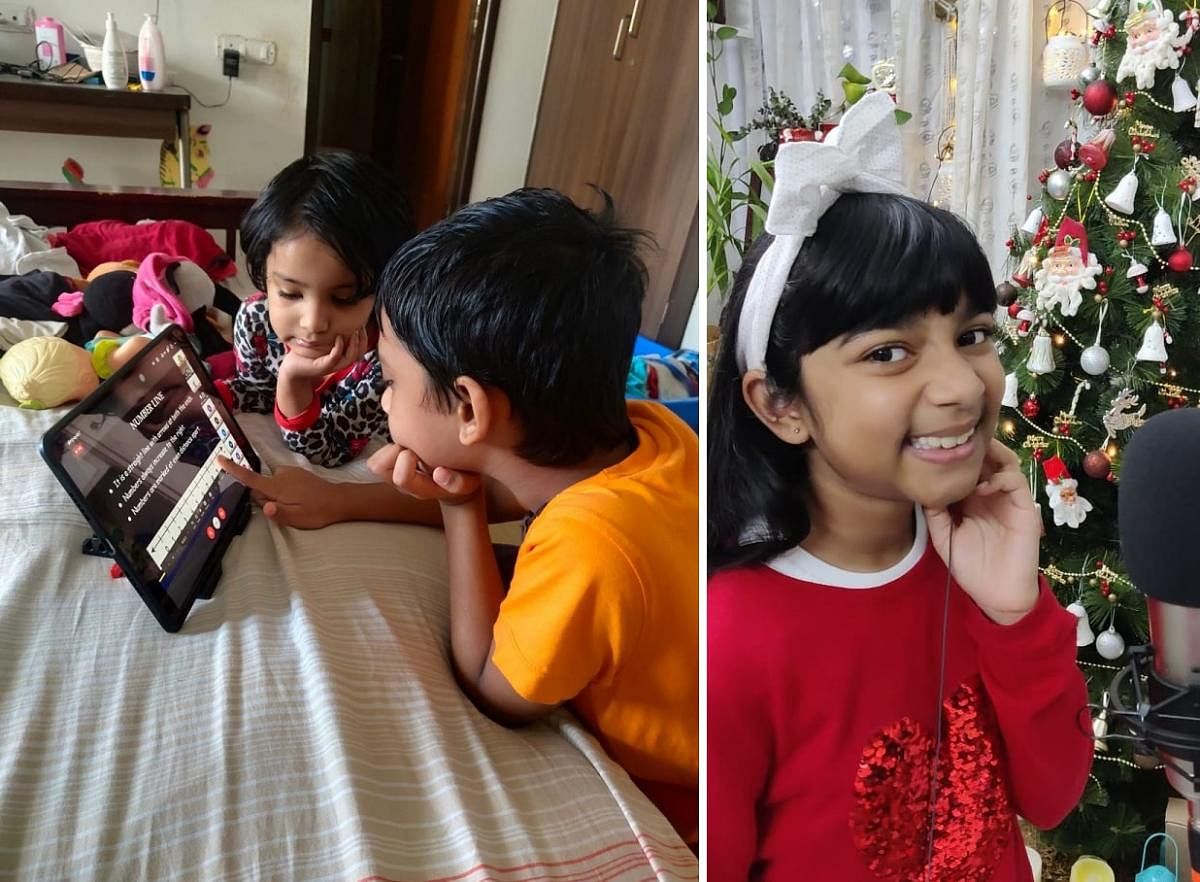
(1005, 123)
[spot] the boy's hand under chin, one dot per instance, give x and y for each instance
(409, 475)
(996, 532)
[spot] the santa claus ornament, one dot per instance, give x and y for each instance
(1153, 43)
(1067, 269)
(1068, 506)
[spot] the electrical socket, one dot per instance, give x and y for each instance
(250, 49)
(16, 17)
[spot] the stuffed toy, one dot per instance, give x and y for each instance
(113, 314)
(110, 352)
(45, 372)
(170, 290)
(104, 302)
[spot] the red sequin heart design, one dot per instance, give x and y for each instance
(890, 818)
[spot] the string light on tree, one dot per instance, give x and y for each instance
(1125, 176)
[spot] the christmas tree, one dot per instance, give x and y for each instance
(1100, 330)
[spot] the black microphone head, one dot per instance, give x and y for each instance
(1158, 507)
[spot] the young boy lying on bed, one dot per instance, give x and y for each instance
(506, 332)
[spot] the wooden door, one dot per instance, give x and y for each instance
(620, 110)
(403, 82)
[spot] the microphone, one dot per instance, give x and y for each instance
(1158, 516)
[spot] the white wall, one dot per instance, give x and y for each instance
(514, 90)
(259, 131)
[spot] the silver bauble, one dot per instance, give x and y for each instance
(1058, 185)
(1089, 75)
(1094, 360)
(1110, 644)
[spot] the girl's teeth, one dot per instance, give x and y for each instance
(929, 442)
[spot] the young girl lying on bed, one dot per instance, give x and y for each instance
(316, 241)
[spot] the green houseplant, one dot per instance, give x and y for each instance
(732, 200)
(779, 118)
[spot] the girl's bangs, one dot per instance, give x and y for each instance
(876, 261)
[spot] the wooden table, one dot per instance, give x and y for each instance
(75, 109)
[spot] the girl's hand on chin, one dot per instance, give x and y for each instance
(996, 532)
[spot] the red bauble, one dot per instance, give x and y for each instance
(1014, 309)
(1064, 154)
(1097, 465)
(1099, 97)
(1030, 407)
(1180, 260)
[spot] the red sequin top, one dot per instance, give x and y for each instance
(822, 720)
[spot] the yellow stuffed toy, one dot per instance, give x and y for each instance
(44, 372)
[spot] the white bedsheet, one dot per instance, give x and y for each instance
(304, 724)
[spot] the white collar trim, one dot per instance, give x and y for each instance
(806, 567)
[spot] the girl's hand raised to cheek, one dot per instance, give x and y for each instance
(996, 532)
(344, 353)
(409, 475)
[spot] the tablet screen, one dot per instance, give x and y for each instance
(142, 458)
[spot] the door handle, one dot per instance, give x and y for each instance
(635, 17)
(619, 44)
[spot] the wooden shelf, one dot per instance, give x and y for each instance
(75, 109)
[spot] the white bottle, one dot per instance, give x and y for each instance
(152, 63)
(113, 65)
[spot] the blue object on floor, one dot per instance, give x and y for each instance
(646, 346)
(687, 409)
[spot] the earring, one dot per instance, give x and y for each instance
(795, 430)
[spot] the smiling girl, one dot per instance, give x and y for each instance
(889, 682)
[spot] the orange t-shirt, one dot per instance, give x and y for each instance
(603, 610)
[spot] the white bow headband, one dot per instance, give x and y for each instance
(861, 155)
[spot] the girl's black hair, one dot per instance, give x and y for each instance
(347, 201)
(874, 261)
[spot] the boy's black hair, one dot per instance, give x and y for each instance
(873, 261)
(532, 295)
(347, 201)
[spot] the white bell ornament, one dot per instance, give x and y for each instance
(1083, 629)
(1041, 354)
(1163, 233)
(1182, 97)
(1154, 344)
(1122, 196)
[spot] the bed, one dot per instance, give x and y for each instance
(304, 724)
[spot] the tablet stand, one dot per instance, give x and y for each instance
(97, 547)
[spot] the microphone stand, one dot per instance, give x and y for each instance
(1164, 718)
